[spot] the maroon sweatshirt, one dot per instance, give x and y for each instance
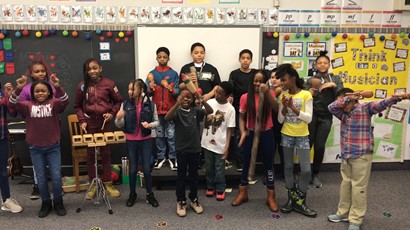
(101, 97)
(42, 123)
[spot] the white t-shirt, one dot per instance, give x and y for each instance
(216, 125)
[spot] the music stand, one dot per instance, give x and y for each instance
(100, 190)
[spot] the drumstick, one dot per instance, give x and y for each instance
(102, 127)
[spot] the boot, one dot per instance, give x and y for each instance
(300, 205)
(151, 200)
(291, 201)
(242, 196)
(131, 199)
(46, 206)
(271, 200)
(59, 207)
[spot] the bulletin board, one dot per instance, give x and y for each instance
(65, 57)
(222, 45)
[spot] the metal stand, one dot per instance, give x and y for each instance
(100, 193)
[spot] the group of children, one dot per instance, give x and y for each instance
(263, 114)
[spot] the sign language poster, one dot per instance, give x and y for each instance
(380, 66)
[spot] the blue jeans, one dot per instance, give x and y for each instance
(214, 171)
(4, 177)
(265, 149)
(187, 162)
(140, 150)
(319, 129)
(165, 133)
(47, 156)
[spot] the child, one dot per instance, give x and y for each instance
(356, 143)
(97, 101)
(240, 79)
(139, 116)
(187, 147)
(206, 76)
(216, 138)
(295, 112)
(37, 70)
(8, 204)
(275, 85)
(321, 123)
(249, 114)
(164, 89)
(43, 137)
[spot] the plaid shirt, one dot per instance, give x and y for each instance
(356, 131)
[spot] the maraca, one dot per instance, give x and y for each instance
(193, 72)
(150, 78)
(188, 84)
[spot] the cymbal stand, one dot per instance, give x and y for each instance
(100, 193)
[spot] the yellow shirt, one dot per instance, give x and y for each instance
(293, 125)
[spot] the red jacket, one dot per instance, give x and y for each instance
(101, 97)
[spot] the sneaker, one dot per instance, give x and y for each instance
(228, 164)
(173, 164)
(181, 208)
(196, 206)
(59, 207)
(131, 199)
(151, 200)
(159, 163)
(209, 192)
(316, 181)
(46, 207)
(335, 218)
(110, 190)
(354, 226)
(91, 192)
(220, 196)
(11, 205)
(35, 194)
(239, 166)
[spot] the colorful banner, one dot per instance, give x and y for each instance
(375, 63)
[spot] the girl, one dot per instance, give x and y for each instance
(8, 204)
(97, 100)
(37, 70)
(206, 76)
(275, 84)
(139, 115)
(43, 137)
(321, 123)
(295, 112)
(248, 110)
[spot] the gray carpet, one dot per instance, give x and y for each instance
(388, 208)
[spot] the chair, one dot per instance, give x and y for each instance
(79, 155)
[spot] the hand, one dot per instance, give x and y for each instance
(206, 97)
(353, 96)
(289, 102)
(83, 127)
(230, 99)
(327, 85)
(242, 139)
(21, 82)
(120, 115)
(8, 88)
(107, 117)
(152, 85)
(54, 80)
(146, 125)
(313, 91)
(263, 88)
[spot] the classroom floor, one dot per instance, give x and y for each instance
(387, 208)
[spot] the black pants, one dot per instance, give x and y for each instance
(187, 162)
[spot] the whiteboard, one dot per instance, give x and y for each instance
(222, 46)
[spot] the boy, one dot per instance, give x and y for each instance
(188, 147)
(163, 88)
(240, 79)
(216, 138)
(356, 142)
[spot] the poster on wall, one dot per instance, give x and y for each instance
(373, 64)
(270, 52)
(301, 52)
